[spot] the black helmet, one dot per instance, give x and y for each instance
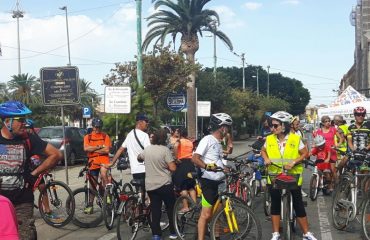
(97, 122)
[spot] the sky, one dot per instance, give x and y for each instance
(309, 40)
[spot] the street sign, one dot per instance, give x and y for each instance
(268, 114)
(204, 108)
(117, 100)
(86, 112)
(60, 86)
(176, 101)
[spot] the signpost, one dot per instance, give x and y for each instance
(60, 86)
(117, 100)
(86, 112)
(176, 101)
(203, 110)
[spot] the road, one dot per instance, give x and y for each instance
(318, 212)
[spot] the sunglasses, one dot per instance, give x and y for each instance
(20, 119)
(360, 114)
(276, 125)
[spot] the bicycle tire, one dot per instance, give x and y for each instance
(186, 225)
(267, 202)
(313, 187)
(81, 219)
(110, 203)
(125, 220)
(127, 189)
(247, 194)
(287, 225)
(243, 214)
(342, 192)
(55, 200)
(365, 220)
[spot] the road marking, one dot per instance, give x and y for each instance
(323, 219)
(108, 236)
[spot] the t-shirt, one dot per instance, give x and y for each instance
(8, 220)
(360, 136)
(321, 154)
(134, 149)
(156, 159)
(95, 139)
(210, 150)
(329, 140)
(12, 155)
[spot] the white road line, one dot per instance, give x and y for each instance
(108, 236)
(323, 219)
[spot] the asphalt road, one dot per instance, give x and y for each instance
(318, 213)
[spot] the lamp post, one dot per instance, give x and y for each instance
(242, 56)
(18, 14)
(268, 81)
(69, 50)
(139, 42)
(256, 76)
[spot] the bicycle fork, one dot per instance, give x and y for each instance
(230, 217)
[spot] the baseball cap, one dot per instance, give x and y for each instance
(141, 117)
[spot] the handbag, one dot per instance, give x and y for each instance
(123, 162)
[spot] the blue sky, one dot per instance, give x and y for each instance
(310, 40)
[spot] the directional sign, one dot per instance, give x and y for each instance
(60, 86)
(204, 108)
(117, 100)
(176, 101)
(86, 112)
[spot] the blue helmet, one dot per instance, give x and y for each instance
(97, 122)
(29, 123)
(13, 109)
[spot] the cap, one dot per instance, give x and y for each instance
(141, 117)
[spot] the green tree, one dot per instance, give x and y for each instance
(25, 88)
(188, 18)
(4, 94)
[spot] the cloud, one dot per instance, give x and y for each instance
(291, 2)
(228, 17)
(252, 5)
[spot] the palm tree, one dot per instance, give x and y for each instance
(25, 88)
(188, 18)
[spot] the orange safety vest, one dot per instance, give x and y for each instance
(185, 149)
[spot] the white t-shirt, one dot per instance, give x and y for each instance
(210, 150)
(134, 149)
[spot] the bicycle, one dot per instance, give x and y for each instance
(365, 218)
(319, 181)
(56, 195)
(346, 205)
(135, 213)
(232, 219)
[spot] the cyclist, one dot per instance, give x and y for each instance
(341, 140)
(208, 156)
(17, 179)
(282, 144)
(159, 164)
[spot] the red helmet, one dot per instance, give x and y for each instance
(359, 110)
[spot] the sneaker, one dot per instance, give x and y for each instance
(308, 236)
(89, 210)
(303, 193)
(156, 237)
(275, 236)
(173, 236)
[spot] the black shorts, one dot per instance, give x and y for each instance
(209, 191)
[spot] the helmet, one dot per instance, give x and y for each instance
(29, 123)
(97, 122)
(319, 140)
(220, 119)
(13, 109)
(359, 110)
(282, 117)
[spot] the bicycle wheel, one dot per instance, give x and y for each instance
(313, 187)
(127, 189)
(247, 194)
(56, 204)
(246, 221)
(287, 225)
(186, 222)
(340, 213)
(87, 216)
(126, 223)
(267, 202)
(365, 220)
(110, 205)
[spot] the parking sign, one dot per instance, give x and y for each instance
(86, 112)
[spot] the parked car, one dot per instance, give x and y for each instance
(73, 141)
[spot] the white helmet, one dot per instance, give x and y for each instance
(319, 140)
(282, 117)
(220, 119)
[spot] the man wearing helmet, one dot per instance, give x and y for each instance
(97, 145)
(16, 177)
(282, 144)
(208, 156)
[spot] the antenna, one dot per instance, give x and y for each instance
(18, 14)
(352, 17)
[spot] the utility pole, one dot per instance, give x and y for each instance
(69, 50)
(258, 89)
(243, 62)
(268, 81)
(18, 14)
(214, 50)
(139, 42)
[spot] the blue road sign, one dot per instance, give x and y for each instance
(86, 112)
(176, 101)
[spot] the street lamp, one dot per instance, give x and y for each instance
(69, 51)
(256, 76)
(213, 29)
(268, 81)
(18, 14)
(242, 56)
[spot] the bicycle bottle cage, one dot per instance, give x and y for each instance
(285, 181)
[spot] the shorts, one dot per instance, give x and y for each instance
(321, 165)
(209, 191)
(180, 176)
(95, 172)
(98, 160)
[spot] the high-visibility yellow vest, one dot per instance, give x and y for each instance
(343, 145)
(291, 152)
